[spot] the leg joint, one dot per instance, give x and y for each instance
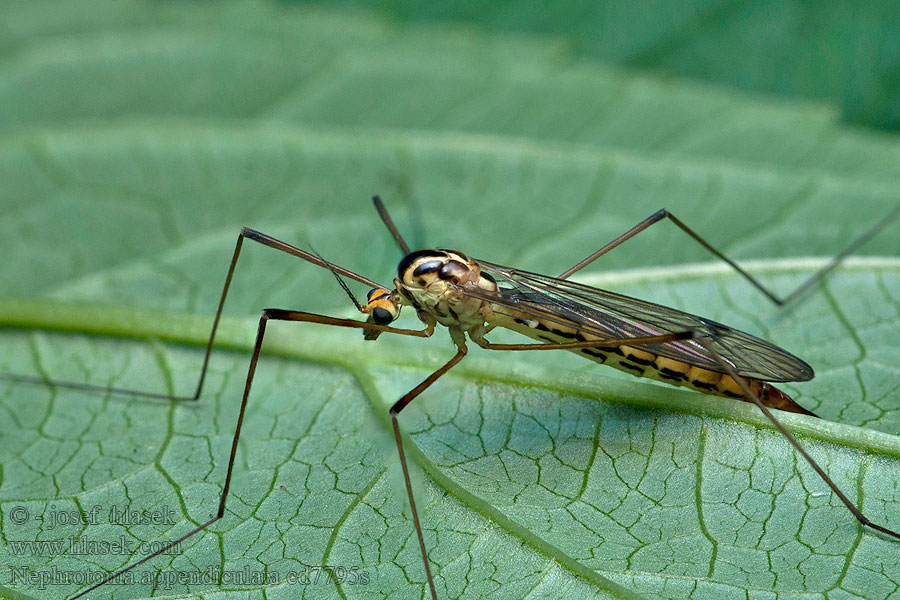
(277, 314)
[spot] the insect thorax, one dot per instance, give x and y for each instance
(430, 280)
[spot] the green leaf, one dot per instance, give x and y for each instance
(542, 475)
(137, 138)
(832, 51)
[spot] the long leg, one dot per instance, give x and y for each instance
(246, 232)
(278, 315)
(398, 406)
(461, 352)
(780, 301)
(749, 394)
(389, 223)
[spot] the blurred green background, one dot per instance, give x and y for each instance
(844, 54)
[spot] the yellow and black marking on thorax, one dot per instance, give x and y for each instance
(430, 280)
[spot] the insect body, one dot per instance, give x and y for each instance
(449, 288)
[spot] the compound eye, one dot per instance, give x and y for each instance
(381, 316)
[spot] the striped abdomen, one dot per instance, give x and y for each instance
(641, 363)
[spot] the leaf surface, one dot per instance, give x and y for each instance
(137, 138)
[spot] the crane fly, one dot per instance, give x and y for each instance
(471, 297)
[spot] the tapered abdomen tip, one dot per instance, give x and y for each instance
(772, 397)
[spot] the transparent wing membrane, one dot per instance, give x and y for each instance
(604, 314)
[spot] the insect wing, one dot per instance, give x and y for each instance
(606, 314)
